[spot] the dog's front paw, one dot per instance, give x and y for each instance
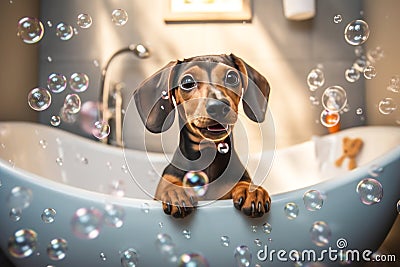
(253, 202)
(178, 202)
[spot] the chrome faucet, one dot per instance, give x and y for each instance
(111, 110)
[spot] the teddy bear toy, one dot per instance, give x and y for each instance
(351, 148)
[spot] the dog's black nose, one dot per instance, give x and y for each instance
(218, 109)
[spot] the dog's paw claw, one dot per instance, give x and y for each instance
(179, 198)
(253, 203)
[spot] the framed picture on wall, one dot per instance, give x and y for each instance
(207, 10)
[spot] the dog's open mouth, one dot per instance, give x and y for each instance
(218, 128)
(214, 131)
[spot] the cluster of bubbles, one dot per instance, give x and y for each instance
(87, 223)
(197, 182)
(18, 199)
(31, 30)
(334, 98)
(65, 31)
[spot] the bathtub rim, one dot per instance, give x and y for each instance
(70, 190)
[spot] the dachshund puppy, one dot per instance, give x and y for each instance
(206, 91)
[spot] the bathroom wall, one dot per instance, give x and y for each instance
(383, 18)
(19, 62)
(282, 50)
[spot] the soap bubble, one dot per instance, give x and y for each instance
(79, 82)
(48, 215)
(375, 55)
(86, 223)
(101, 129)
(117, 188)
(166, 247)
(20, 198)
(23, 243)
(39, 99)
(329, 119)
(337, 19)
(369, 72)
(356, 32)
(394, 84)
(129, 258)
(313, 200)
(140, 51)
(352, 75)
(55, 120)
(291, 210)
(114, 216)
(225, 241)
(267, 228)
(375, 170)
(145, 207)
(57, 249)
(334, 98)
(164, 95)
(360, 64)
(64, 31)
(187, 233)
(30, 30)
(15, 214)
(387, 106)
(370, 191)
(72, 104)
(119, 17)
(84, 21)
(243, 256)
(315, 79)
(56, 82)
(43, 143)
(192, 260)
(320, 233)
(223, 148)
(196, 180)
(103, 256)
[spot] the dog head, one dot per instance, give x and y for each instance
(207, 91)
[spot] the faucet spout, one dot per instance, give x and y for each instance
(111, 100)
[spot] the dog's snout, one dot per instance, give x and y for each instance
(218, 109)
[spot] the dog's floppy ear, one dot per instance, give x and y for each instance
(154, 101)
(256, 90)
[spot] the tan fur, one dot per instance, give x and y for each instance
(351, 148)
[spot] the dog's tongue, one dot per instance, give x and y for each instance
(217, 128)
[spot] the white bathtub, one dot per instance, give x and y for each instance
(45, 167)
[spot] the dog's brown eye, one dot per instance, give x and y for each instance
(188, 83)
(232, 78)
